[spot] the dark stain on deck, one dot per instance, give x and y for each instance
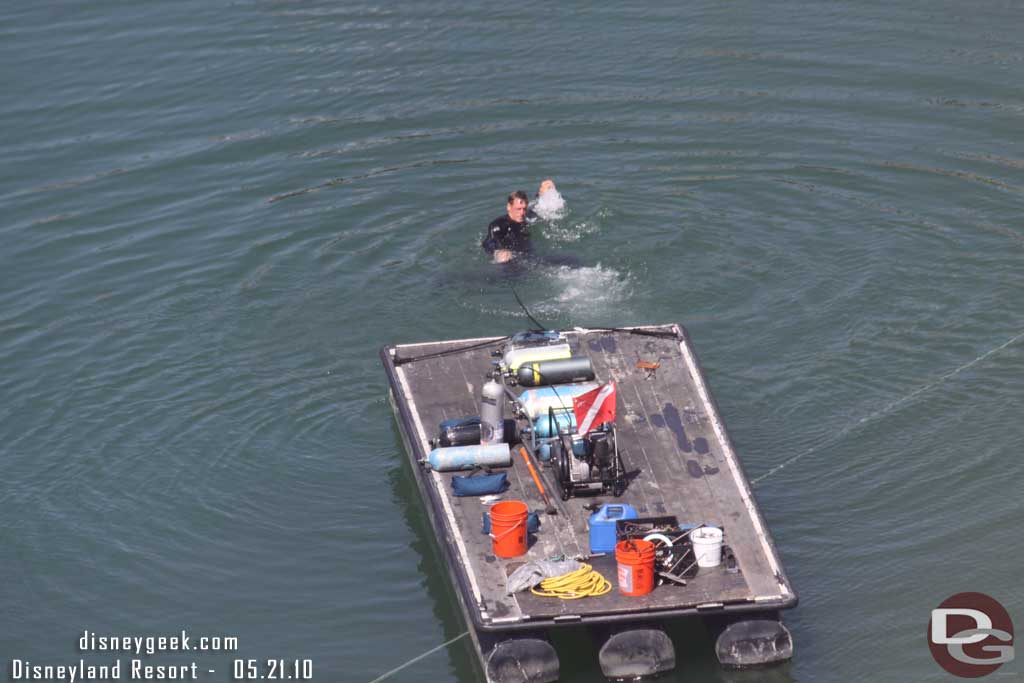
(675, 422)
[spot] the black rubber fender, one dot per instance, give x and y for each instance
(754, 642)
(522, 660)
(637, 653)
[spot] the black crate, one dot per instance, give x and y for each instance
(641, 526)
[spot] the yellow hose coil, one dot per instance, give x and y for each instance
(580, 583)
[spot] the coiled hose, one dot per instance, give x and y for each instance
(581, 583)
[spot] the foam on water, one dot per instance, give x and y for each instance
(574, 231)
(560, 295)
(586, 295)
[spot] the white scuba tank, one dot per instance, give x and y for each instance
(492, 413)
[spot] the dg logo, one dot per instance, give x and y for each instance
(970, 635)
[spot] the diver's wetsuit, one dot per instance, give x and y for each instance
(504, 233)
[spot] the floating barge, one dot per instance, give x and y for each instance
(680, 463)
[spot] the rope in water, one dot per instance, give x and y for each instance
(883, 412)
(576, 584)
(419, 657)
(581, 583)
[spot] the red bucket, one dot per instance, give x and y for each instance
(636, 566)
(508, 528)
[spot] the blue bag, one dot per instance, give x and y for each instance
(479, 485)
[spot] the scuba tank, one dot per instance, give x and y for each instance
(537, 401)
(465, 431)
(469, 457)
(547, 426)
(492, 413)
(514, 358)
(555, 372)
(533, 347)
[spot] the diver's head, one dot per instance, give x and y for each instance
(517, 206)
(545, 185)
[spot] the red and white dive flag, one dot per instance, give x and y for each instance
(594, 408)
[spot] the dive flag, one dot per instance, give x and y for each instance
(594, 407)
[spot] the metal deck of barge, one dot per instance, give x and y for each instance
(674, 444)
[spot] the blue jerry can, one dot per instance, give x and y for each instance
(602, 525)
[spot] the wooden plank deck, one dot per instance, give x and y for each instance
(668, 429)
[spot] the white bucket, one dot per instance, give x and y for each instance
(707, 546)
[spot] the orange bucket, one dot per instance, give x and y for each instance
(636, 566)
(508, 528)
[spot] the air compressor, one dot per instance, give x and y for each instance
(594, 469)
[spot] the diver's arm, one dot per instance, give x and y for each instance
(490, 242)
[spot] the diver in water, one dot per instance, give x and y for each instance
(508, 235)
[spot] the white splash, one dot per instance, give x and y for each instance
(550, 206)
(576, 230)
(570, 231)
(557, 295)
(587, 293)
